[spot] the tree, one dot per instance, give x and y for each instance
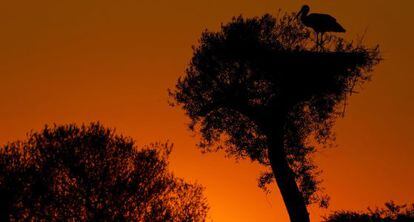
(391, 213)
(258, 89)
(88, 173)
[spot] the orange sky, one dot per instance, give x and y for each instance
(87, 60)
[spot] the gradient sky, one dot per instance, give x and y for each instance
(75, 61)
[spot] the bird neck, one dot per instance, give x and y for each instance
(303, 15)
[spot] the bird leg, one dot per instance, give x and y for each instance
(321, 42)
(317, 41)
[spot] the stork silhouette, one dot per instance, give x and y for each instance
(320, 23)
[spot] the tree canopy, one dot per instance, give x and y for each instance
(89, 173)
(391, 213)
(259, 89)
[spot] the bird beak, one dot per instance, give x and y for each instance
(297, 15)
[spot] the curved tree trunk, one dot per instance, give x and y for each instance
(285, 180)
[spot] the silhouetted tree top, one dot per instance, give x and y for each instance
(89, 173)
(259, 80)
(391, 213)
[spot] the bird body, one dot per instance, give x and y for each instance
(322, 23)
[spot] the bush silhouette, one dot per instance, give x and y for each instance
(391, 213)
(259, 89)
(88, 173)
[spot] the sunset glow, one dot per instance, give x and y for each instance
(113, 61)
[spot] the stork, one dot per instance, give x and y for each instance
(320, 23)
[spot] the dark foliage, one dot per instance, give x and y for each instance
(262, 79)
(88, 173)
(391, 213)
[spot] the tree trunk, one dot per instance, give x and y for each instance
(285, 180)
